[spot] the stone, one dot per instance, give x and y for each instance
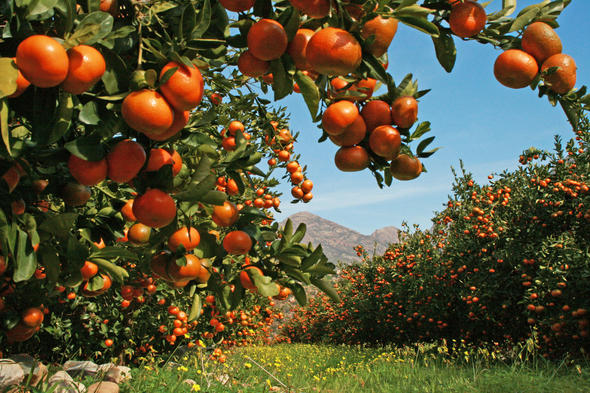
(74, 367)
(103, 387)
(118, 374)
(190, 382)
(62, 382)
(10, 373)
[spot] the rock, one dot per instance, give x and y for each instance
(62, 382)
(189, 382)
(125, 373)
(113, 373)
(74, 368)
(10, 373)
(103, 387)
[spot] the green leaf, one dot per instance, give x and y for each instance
(38, 9)
(282, 83)
(89, 113)
(524, 19)
(388, 177)
(290, 19)
(76, 252)
(94, 27)
(196, 190)
(188, 20)
(214, 197)
(313, 258)
(263, 8)
(421, 24)
(116, 75)
(8, 75)
(422, 129)
(299, 293)
(264, 284)
(299, 233)
(26, 259)
(95, 283)
(203, 20)
(4, 125)
(288, 231)
(196, 306)
(59, 225)
(423, 144)
(413, 10)
(290, 259)
(111, 252)
(48, 257)
(446, 53)
(63, 121)
(116, 272)
(326, 287)
(86, 147)
(309, 91)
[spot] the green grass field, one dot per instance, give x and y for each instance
(341, 369)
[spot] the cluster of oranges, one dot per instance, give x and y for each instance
(29, 323)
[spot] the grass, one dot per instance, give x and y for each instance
(343, 369)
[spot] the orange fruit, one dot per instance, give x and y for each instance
(157, 159)
(245, 279)
(177, 162)
(237, 243)
(188, 272)
(147, 111)
(237, 5)
(235, 126)
(154, 208)
(385, 141)
(12, 178)
(127, 211)
(467, 19)
(307, 186)
(340, 89)
(19, 333)
(86, 66)
(515, 69)
(180, 121)
(339, 116)
(404, 167)
(404, 111)
(32, 317)
(125, 160)
(312, 8)
(89, 270)
(333, 51)
(564, 78)
(352, 135)
(21, 84)
(42, 61)
(139, 234)
(75, 194)
(297, 48)
(351, 159)
(159, 265)
(540, 41)
(188, 237)
(383, 30)
(229, 143)
(232, 187)
(184, 89)
(107, 282)
(225, 215)
(88, 173)
(267, 39)
(252, 66)
(376, 113)
(110, 6)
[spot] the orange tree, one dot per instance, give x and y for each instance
(115, 168)
(503, 262)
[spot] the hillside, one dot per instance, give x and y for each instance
(338, 241)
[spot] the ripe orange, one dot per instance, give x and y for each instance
(139, 234)
(541, 41)
(188, 272)
(157, 159)
(267, 39)
(110, 6)
(383, 30)
(352, 135)
(297, 192)
(42, 61)
(75, 194)
(154, 208)
(297, 48)
(127, 211)
(515, 69)
(89, 270)
(148, 112)
(159, 265)
(180, 121)
(229, 143)
(564, 78)
(32, 317)
(235, 126)
(107, 282)
(21, 84)
(404, 167)
(339, 89)
(125, 160)
(312, 8)
(385, 141)
(245, 279)
(307, 186)
(252, 66)
(339, 116)
(188, 237)
(404, 111)
(225, 215)
(351, 159)
(376, 113)
(184, 89)
(237, 243)
(86, 66)
(333, 51)
(467, 19)
(237, 5)
(177, 162)
(88, 173)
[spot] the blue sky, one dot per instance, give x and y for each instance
(473, 117)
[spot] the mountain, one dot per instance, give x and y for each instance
(338, 241)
